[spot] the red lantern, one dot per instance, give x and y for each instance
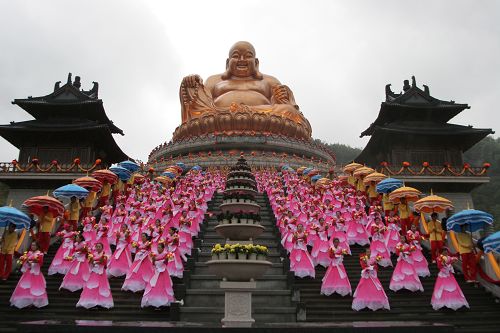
(76, 161)
(54, 162)
(447, 165)
(14, 162)
(384, 164)
(406, 164)
(486, 165)
(466, 166)
(98, 161)
(425, 164)
(151, 170)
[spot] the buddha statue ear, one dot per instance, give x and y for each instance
(257, 73)
(226, 75)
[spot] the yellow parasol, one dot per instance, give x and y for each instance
(164, 180)
(363, 171)
(374, 177)
(351, 167)
(409, 193)
(433, 204)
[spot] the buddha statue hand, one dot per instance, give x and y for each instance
(192, 81)
(195, 99)
(281, 94)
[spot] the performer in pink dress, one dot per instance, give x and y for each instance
(30, 289)
(96, 291)
(339, 231)
(175, 266)
(369, 292)
(356, 232)
(321, 246)
(79, 271)
(58, 264)
(404, 275)
(419, 262)
(141, 270)
(121, 260)
(377, 245)
(102, 236)
(159, 291)
(336, 279)
(392, 235)
(301, 262)
(447, 292)
(89, 232)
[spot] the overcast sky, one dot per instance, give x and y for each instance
(336, 56)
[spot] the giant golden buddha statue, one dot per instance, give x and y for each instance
(239, 101)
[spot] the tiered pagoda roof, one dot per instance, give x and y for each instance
(415, 119)
(63, 116)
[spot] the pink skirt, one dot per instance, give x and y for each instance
(77, 276)
(367, 295)
(159, 291)
(120, 262)
(447, 293)
(405, 277)
(336, 281)
(139, 275)
(301, 263)
(378, 248)
(30, 290)
(96, 292)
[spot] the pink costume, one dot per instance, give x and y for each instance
(96, 291)
(339, 232)
(319, 252)
(102, 237)
(159, 290)
(336, 279)
(30, 289)
(59, 264)
(89, 232)
(392, 235)
(121, 260)
(116, 222)
(79, 270)
(378, 247)
(404, 275)
(356, 232)
(300, 261)
(141, 270)
(369, 292)
(185, 236)
(447, 292)
(287, 239)
(419, 262)
(175, 266)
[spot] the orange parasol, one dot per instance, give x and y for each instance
(433, 204)
(411, 194)
(164, 180)
(363, 171)
(300, 170)
(374, 177)
(138, 178)
(105, 175)
(351, 167)
(89, 183)
(343, 178)
(36, 204)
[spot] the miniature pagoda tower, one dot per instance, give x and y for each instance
(69, 123)
(413, 127)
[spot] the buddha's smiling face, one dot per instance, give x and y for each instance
(242, 62)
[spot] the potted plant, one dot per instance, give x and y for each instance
(242, 252)
(216, 251)
(231, 253)
(234, 218)
(243, 218)
(252, 252)
(262, 252)
(225, 219)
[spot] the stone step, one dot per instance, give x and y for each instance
(202, 268)
(268, 281)
(260, 298)
(260, 314)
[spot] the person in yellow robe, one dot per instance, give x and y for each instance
(45, 224)
(8, 246)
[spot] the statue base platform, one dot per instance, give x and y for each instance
(238, 303)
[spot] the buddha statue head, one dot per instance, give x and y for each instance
(242, 62)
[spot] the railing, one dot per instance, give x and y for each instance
(427, 170)
(52, 167)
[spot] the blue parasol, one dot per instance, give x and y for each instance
(196, 168)
(71, 190)
(474, 219)
(316, 177)
(121, 172)
(129, 165)
(12, 215)
(169, 174)
(388, 185)
(492, 243)
(182, 165)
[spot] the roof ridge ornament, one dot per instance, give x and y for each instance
(69, 79)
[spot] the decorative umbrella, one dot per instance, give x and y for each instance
(316, 178)
(71, 190)
(411, 194)
(196, 168)
(89, 182)
(374, 177)
(130, 166)
(433, 204)
(388, 185)
(474, 219)
(301, 170)
(12, 215)
(306, 171)
(122, 173)
(105, 175)
(35, 205)
(169, 174)
(492, 243)
(351, 167)
(363, 171)
(313, 173)
(181, 165)
(138, 178)
(343, 178)
(164, 180)
(176, 167)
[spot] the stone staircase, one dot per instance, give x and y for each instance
(271, 302)
(483, 315)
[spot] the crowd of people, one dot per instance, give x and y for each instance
(141, 232)
(320, 224)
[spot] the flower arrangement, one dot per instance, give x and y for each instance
(241, 217)
(240, 251)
